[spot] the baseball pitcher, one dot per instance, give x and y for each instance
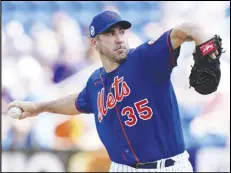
(132, 97)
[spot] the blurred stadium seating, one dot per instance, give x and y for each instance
(46, 54)
(29, 12)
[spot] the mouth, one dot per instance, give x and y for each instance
(120, 49)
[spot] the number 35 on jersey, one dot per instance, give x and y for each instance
(140, 110)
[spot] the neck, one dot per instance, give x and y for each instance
(108, 65)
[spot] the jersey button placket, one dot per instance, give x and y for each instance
(121, 142)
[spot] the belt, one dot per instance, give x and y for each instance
(154, 165)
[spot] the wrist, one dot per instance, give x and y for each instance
(40, 107)
(199, 36)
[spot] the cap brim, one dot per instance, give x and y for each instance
(123, 23)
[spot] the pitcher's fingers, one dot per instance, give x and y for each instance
(216, 53)
(14, 104)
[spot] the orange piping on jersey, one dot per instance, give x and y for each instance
(97, 81)
(124, 156)
(126, 135)
(117, 112)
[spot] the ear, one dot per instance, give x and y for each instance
(93, 42)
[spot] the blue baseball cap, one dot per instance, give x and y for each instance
(105, 20)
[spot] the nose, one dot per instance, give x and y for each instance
(119, 38)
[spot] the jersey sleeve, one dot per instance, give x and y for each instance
(158, 56)
(83, 101)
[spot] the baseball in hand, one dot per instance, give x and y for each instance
(15, 112)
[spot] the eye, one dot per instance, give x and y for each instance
(109, 34)
(122, 32)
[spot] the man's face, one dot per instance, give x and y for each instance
(113, 44)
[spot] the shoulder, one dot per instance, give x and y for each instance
(96, 73)
(139, 49)
(95, 76)
(153, 45)
(169, 39)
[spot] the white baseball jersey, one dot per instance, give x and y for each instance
(181, 164)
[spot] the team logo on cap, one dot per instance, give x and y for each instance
(92, 30)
